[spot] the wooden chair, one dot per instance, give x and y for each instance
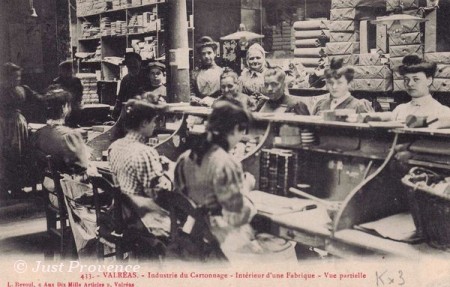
(115, 231)
(191, 236)
(110, 225)
(58, 227)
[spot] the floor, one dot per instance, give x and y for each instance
(22, 226)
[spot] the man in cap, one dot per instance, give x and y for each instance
(73, 85)
(156, 86)
(206, 78)
(132, 84)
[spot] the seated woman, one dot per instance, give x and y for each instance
(214, 179)
(418, 76)
(65, 145)
(230, 88)
(139, 168)
(338, 79)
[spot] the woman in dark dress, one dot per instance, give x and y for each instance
(13, 127)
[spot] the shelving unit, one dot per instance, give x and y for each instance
(110, 28)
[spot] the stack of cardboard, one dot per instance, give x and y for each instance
(278, 171)
(281, 37)
(89, 82)
(84, 7)
(401, 5)
(345, 16)
(135, 3)
(125, 3)
(441, 81)
(372, 74)
(310, 38)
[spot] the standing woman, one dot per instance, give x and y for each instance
(13, 127)
(252, 78)
(205, 80)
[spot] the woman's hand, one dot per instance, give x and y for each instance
(249, 181)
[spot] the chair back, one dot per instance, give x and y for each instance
(190, 222)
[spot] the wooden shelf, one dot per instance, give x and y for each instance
(89, 39)
(114, 36)
(122, 9)
(354, 153)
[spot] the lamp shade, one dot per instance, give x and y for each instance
(242, 34)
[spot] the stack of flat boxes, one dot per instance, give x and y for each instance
(310, 37)
(441, 81)
(344, 32)
(435, 34)
(84, 7)
(281, 38)
(345, 16)
(125, 3)
(89, 82)
(403, 40)
(278, 171)
(372, 74)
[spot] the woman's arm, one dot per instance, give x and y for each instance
(229, 188)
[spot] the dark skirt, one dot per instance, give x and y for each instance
(13, 142)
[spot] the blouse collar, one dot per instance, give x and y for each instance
(135, 136)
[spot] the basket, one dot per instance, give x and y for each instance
(430, 211)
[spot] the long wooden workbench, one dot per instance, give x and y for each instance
(350, 162)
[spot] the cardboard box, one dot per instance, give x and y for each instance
(342, 48)
(347, 59)
(406, 39)
(355, 13)
(308, 62)
(438, 57)
(344, 36)
(406, 27)
(440, 85)
(306, 43)
(310, 34)
(373, 72)
(311, 25)
(357, 3)
(369, 59)
(396, 75)
(395, 62)
(309, 52)
(404, 50)
(392, 5)
(343, 26)
(382, 38)
(373, 85)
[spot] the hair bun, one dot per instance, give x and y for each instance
(410, 60)
(336, 63)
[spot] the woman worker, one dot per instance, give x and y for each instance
(13, 127)
(210, 176)
(338, 78)
(230, 87)
(252, 78)
(418, 76)
(205, 81)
